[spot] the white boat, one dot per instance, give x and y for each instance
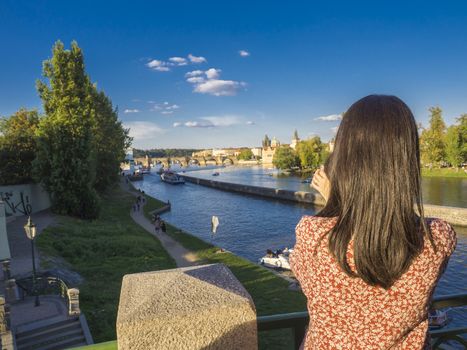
(437, 319)
(278, 259)
(172, 178)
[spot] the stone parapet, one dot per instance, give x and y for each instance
(201, 307)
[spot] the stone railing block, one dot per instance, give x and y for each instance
(200, 307)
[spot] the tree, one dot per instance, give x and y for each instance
(266, 141)
(311, 152)
(432, 139)
(245, 154)
(462, 120)
(453, 142)
(285, 158)
(18, 147)
(110, 141)
(65, 162)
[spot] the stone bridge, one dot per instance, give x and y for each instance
(185, 161)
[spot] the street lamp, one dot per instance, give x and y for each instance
(30, 230)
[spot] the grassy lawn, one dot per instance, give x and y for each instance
(102, 251)
(444, 172)
(269, 292)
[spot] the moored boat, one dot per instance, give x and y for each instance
(278, 259)
(172, 178)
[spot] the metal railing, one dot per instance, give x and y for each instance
(45, 285)
(298, 321)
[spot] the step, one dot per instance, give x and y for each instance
(44, 325)
(45, 333)
(66, 344)
(50, 339)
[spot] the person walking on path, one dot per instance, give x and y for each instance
(368, 262)
(157, 224)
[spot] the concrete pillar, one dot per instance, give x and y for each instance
(6, 269)
(11, 290)
(200, 307)
(73, 302)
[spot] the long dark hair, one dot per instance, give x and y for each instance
(374, 173)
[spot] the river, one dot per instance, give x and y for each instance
(249, 224)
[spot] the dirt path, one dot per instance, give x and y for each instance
(182, 256)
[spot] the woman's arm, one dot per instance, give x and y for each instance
(321, 183)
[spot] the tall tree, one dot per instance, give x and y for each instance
(432, 139)
(18, 147)
(245, 154)
(310, 152)
(462, 120)
(453, 142)
(65, 162)
(110, 141)
(285, 158)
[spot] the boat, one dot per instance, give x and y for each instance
(172, 178)
(278, 259)
(215, 174)
(307, 180)
(437, 319)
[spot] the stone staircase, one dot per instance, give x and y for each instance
(53, 335)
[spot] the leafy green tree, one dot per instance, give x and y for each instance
(285, 158)
(18, 147)
(432, 139)
(462, 120)
(245, 154)
(453, 142)
(110, 141)
(65, 162)
(311, 153)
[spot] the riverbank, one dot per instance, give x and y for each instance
(445, 172)
(102, 251)
(270, 293)
(453, 215)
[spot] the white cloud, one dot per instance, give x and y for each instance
(210, 122)
(158, 65)
(334, 129)
(196, 59)
(219, 87)
(250, 122)
(141, 130)
(173, 107)
(194, 73)
(243, 53)
(167, 112)
(131, 111)
(179, 61)
(212, 73)
(196, 80)
(330, 118)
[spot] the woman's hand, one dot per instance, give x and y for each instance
(321, 183)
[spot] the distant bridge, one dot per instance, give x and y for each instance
(186, 161)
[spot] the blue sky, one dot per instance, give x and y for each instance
(303, 60)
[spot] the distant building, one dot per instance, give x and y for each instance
(203, 153)
(267, 153)
(257, 151)
(275, 143)
(295, 140)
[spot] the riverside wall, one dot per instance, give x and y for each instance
(453, 215)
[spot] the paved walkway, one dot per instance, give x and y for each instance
(182, 256)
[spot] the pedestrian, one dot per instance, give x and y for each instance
(157, 224)
(163, 227)
(137, 205)
(134, 207)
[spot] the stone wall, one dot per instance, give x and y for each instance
(453, 215)
(24, 199)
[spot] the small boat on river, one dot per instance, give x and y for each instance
(307, 180)
(215, 174)
(278, 259)
(172, 178)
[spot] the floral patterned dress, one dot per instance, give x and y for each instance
(347, 313)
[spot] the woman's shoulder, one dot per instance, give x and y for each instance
(444, 236)
(314, 226)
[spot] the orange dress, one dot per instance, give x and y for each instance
(347, 313)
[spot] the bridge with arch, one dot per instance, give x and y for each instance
(186, 161)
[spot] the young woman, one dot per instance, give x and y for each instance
(369, 261)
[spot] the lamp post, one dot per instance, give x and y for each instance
(30, 230)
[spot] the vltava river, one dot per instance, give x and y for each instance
(249, 225)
